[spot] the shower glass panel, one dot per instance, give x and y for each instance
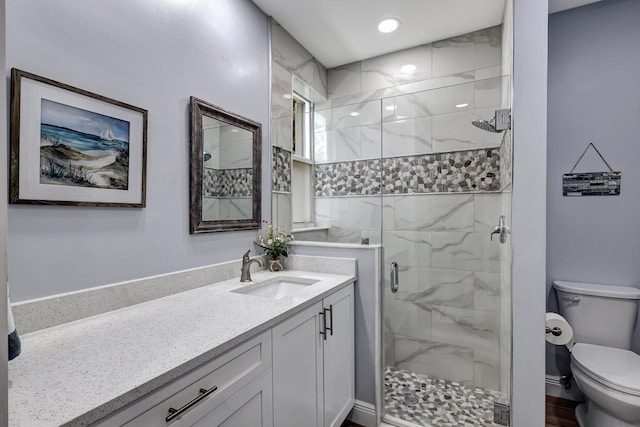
(445, 184)
(398, 162)
(412, 173)
(347, 150)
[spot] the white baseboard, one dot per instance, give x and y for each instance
(553, 387)
(363, 413)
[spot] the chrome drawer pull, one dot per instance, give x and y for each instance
(173, 413)
(571, 299)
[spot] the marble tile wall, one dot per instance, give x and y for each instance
(214, 209)
(293, 57)
(440, 182)
(290, 60)
(440, 190)
(506, 156)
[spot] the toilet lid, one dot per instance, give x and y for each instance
(614, 367)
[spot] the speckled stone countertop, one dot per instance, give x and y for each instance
(78, 372)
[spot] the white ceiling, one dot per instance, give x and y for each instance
(339, 32)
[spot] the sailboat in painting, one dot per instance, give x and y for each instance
(107, 134)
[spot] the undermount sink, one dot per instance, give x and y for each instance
(277, 288)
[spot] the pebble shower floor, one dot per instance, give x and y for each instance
(426, 401)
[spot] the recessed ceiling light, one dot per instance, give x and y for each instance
(466, 104)
(408, 69)
(354, 114)
(287, 96)
(390, 107)
(388, 25)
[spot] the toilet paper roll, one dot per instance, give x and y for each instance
(554, 320)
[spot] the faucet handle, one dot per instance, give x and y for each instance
(245, 257)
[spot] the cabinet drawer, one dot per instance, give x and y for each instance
(229, 373)
(252, 406)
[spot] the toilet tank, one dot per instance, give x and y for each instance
(599, 314)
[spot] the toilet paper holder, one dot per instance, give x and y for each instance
(556, 332)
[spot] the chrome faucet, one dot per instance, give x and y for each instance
(246, 266)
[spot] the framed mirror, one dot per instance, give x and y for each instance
(225, 170)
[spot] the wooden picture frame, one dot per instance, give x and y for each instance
(73, 147)
(227, 183)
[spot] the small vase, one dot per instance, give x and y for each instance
(275, 265)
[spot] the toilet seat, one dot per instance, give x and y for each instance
(613, 367)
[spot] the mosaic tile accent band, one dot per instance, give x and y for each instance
(281, 172)
(227, 182)
(454, 172)
(360, 177)
(434, 402)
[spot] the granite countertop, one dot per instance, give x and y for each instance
(78, 372)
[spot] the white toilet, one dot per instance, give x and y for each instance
(607, 372)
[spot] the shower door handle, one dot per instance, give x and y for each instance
(394, 277)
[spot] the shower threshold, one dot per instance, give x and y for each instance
(413, 400)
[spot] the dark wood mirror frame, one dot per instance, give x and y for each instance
(200, 108)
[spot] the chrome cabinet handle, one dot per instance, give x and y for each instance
(173, 413)
(323, 332)
(330, 310)
(394, 277)
(571, 299)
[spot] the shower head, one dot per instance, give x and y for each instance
(488, 125)
(205, 156)
(499, 122)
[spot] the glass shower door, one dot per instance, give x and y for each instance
(446, 330)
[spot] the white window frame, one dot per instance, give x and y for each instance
(303, 155)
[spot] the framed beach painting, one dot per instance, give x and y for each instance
(73, 147)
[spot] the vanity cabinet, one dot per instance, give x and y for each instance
(227, 390)
(298, 373)
(313, 364)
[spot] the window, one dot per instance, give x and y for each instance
(302, 180)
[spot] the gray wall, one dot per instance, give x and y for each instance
(594, 97)
(154, 55)
(529, 207)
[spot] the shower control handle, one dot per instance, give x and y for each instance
(394, 277)
(502, 229)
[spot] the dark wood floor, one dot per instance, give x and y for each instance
(559, 413)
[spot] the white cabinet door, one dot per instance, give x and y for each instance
(297, 370)
(339, 368)
(313, 364)
(251, 406)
